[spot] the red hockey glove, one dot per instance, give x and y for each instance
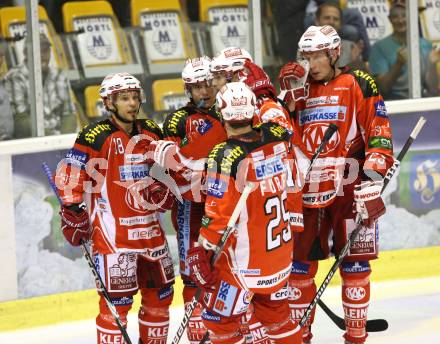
(163, 153)
(258, 81)
(159, 197)
(200, 269)
(292, 79)
(75, 225)
(368, 202)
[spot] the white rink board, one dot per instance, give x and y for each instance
(410, 307)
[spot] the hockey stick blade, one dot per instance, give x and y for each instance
(89, 260)
(356, 231)
(373, 325)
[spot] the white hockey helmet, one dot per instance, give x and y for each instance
(196, 70)
(230, 60)
(119, 82)
(317, 38)
(236, 102)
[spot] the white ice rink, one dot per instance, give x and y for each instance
(411, 307)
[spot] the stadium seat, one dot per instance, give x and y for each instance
(94, 106)
(168, 94)
(99, 37)
(165, 34)
(230, 19)
(375, 17)
(429, 20)
(13, 24)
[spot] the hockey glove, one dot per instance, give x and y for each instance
(75, 225)
(200, 268)
(368, 202)
(159, 197)
(258, 81)
(164, 153)
(292, 79)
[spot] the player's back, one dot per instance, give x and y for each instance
(262, 246)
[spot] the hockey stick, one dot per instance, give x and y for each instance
(230, 227)
(99, 282)
(327, 136)
(345, 249)
(373, 325)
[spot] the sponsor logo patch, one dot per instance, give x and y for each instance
(352, 267)
(77, 158)
(300, 268)
(133, 172)
(136, 220)
(380, 142)
(355, 293)
(323, 100)
(165, 292)
(206, 315)
(320, 114)
(224, 301)
(381, 110)
(122, 301)
(281, 294)
(143, 233)
(205, 221)
(295, 293)
(269, 167)
(131, 158)
(216, 187)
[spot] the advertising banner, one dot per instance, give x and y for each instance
(46, 264)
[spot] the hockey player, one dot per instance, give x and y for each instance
(198, 122)
(253, 266)
(107, 169)
(227, 66)
(349, 171)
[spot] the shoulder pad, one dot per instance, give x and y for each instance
(225, 157)
(273, 132)
(213, 112)
(366, 82)
(151, 126)
(95, 134)
(175, 123)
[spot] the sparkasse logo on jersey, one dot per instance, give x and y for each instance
(133, 172)
(324, 113)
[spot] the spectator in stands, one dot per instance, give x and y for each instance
(329, 13)
(288, 16)
(388, 60)
(58, 107)
(6, 119)
(352, 27)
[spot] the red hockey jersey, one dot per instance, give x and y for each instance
(106, 168)
(352, 102)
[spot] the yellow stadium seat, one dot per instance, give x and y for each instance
(166, 35)
(230, 19)
(168, 94)
(206, 5)
(13, 24)
(94, 106)
(100, 41)
(429, 20)
(375, 17)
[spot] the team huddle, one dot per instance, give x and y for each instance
(238, 156)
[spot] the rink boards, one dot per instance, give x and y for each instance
(397, 265)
